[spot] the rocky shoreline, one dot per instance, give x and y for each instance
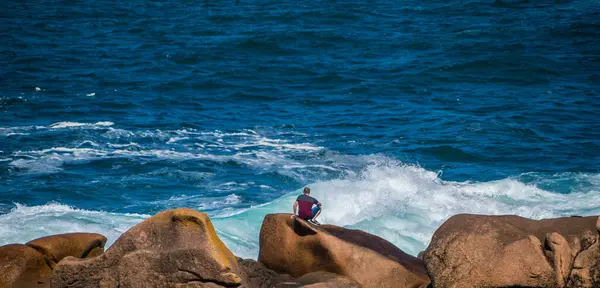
(180, 248)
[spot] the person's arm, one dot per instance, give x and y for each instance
(295, 206)
(318, 203)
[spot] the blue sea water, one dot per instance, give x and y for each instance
(398, 114)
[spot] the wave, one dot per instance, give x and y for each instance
(405, 204)
(402, 203)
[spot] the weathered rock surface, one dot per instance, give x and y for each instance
(31, 265)
(259, 276)
(175, 248)
(511, 251)
(23, 266)
(80, 245)
(293, 246)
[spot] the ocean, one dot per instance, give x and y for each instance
(397, 114)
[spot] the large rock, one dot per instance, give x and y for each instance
(511, 251)
(80, 245)
(175, 248)
(23, 266)
(295, 247)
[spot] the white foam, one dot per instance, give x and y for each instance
(50, 160)
(232, 199)
(68, 150)
(231, 186)
(187, 132)
(211, 203)
(130, 144)
(25, 223)
(66, 125)
(90, 94)
(593, 179)
(62, 125)
(9, 131)
(172, 155)
(89, 142)
(175, 139)
(252, 139)
(301, 166)
(49, 165)
(278, 144)
(220, 134)
(16, 134)
(114, 133)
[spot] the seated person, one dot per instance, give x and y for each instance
(307, 212)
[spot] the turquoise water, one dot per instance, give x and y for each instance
(397, 115)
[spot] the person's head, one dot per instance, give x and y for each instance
(306, 190)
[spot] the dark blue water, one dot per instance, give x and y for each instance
(398, 115)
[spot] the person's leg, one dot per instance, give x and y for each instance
(316, 211)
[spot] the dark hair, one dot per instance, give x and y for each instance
(306, 190)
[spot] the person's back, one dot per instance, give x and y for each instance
(305, 204)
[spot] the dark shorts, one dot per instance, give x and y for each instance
(314, 212)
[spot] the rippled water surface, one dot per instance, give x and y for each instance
(398, 115)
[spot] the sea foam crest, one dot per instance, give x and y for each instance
(25, 223)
